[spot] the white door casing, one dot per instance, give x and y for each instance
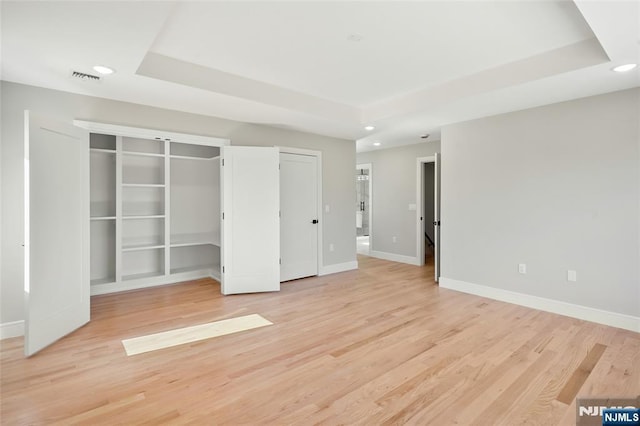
(420, 216)
(250, 219)
(299, 210)
(436, 217)
(56, 243)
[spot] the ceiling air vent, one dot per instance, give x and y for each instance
(83, 76)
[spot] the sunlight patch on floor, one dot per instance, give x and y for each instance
(180, 336)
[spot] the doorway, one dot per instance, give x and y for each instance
(428, 213)
(428, 182)
(363, 208)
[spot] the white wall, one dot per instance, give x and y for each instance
(394, 188)
(338, 157)
(555, 187)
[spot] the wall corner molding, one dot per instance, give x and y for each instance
(11, 329)
(613, 319)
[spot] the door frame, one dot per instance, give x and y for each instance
(420, 225)
(369, 166)
(318, 155)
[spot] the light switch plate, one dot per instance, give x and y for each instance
(413, 207)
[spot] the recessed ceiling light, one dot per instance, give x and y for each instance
(103, 70)
(369, 128)
(625, 67)
(377, 144)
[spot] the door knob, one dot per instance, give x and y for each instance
(314, 221)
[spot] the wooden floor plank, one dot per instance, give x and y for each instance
(570, 390)
(380, 345)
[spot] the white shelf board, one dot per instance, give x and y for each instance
(142, 154)
(142, 275)
(137, 247)
(187, 157)
(143, 185)
(186, 240)
(102, 218)
(98, 281)
(158, 216)
(152, 280)
(205, 268)
(102, 150)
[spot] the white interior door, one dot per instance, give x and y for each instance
(250, 222)
(436, 217)
(56, 281)
(299, 216)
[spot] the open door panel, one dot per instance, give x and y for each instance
(56, 240)
(250, 219)
(436, 217)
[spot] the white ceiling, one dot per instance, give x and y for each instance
(416, 66)
(404, 46)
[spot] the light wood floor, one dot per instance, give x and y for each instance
(381, 345)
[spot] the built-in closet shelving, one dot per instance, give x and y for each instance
(102, 208)
(195, 231)
(155, 211)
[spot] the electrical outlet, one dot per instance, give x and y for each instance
(327, 209)
(572, 275)
(331, 248)
(522, 268)
(394, 239)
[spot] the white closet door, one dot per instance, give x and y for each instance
(299, 218)
(56, 281)
(250, 224)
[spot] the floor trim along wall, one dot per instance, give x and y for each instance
(586, 313)
(11, 329)
(394, 257)
(338, 267)
(99, 289)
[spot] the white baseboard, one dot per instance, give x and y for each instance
(115, 287)
(394, 257)
(11, 329)
(338, 267)
(628, 322)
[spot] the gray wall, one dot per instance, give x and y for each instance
(555, 187)
(338, 158)
(394, 188)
